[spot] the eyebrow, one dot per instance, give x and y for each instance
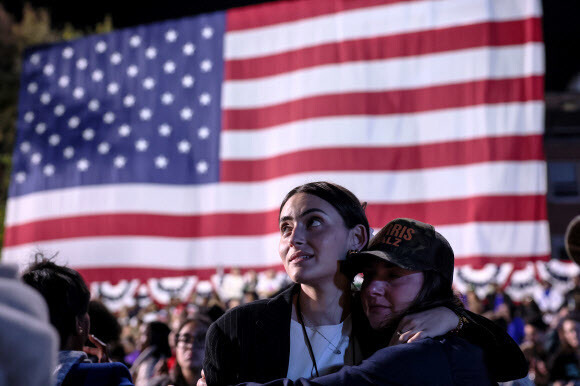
(285, 218)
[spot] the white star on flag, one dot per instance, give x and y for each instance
(202, 167)
(116, 58)
(186, 113)
(101, 47)
(164, 130)
(88, 134)
(141, 144)
(203, 132)
(187, 81)
(103, 148)
(68, 152)
(188, 49)
(161, 162)
(183, 146)
(54, 139)
(119, 161)
(82, 64)
(78, 92)
(83, 164)
(167, 98)
(124, 130)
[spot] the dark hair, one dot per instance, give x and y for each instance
(103, 322)
(158, 337)
(436, 291)
(343, 200)
(64, 291)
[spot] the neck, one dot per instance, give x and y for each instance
(190, 375)
(326, 303)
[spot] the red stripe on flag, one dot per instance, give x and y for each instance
(476, 209)
(388, 102)
(262, 15)
(416, 43)
(515, 148)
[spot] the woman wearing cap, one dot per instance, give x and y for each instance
(315, 327)
(408, 267)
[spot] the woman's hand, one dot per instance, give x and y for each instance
(101, 350)
(426, 324)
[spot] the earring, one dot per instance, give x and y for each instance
(80, 330)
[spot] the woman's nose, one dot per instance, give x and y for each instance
(297, 237)
(377, 288)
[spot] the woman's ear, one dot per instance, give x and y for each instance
(358, 237)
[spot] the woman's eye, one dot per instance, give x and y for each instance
(284, 229)
(315, 222)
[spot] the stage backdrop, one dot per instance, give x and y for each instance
(165, 149)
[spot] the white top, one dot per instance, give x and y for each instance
(327, 361)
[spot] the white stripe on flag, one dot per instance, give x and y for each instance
(493, 178)
(473, 239)
(378, 131)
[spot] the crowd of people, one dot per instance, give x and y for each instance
(318, 324)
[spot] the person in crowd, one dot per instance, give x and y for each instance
(565, 364)
(536, 355)
(28, 342)
(495, 299)
(107, 328)
(269, 283)
(67, 297)
(319, 224)
(232, 285)
(548, 299)
(189, 341)
(154, 348)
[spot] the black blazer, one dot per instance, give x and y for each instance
(251, 343)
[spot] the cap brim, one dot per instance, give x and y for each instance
(358, 261)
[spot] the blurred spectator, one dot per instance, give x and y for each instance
(28, 343)
(535, 354)
(565, 365)
(107, 328)
(548, 299)
(189, 344)
(250, 281)
(154, 348)
(232, 285)
(496, 298)
(473, 303)
(572, 297)
(268, 284)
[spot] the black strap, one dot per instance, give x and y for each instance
(306, 340)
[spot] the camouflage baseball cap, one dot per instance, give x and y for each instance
(409, 244)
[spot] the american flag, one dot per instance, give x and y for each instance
(165, 149)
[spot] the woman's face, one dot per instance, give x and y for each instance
(571, 332)
(191, 346)
(313, 237)
(387, 291)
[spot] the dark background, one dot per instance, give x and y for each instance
(561, 24)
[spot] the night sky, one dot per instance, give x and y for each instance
(561, 24)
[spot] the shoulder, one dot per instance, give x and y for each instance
(248, 312)
(101, 374)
